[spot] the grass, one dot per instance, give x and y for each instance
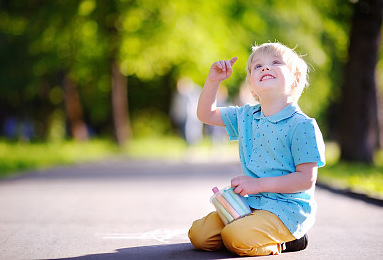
(17, 157)
(357, 177)
(21, 156)
(175, 148)
(158, 148)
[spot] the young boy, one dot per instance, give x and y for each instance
(280, 150)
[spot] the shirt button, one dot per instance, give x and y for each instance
(263, 120)
(255, 150)
(258, 135)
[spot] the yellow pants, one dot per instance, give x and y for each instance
(260, 233)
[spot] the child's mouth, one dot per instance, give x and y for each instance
(266, 77)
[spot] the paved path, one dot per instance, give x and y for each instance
(128, 209)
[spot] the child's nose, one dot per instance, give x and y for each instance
(265, 68)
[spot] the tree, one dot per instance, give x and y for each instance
(97, 48)
(359, 120)
(108, 17)
(74, 110)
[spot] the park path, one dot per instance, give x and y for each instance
(137, 209)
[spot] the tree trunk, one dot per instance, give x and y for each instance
(380, 118)
(74, 110)
(120, 105)
(358, 118)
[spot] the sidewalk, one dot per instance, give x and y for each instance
(131, 209)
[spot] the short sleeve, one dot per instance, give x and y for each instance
(307, 144)
(230, 119)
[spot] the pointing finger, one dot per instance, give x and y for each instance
(233, 60)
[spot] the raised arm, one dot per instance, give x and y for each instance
(207, 110)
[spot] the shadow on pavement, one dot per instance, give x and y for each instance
(171, 251)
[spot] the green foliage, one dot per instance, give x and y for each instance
(156, 42)
(151, 124)
(42, 41)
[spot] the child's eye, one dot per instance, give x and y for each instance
(257, 66)
(277, 62)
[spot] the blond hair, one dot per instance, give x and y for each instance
(293, 60)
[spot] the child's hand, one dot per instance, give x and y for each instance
(221, 70)
(245, 185)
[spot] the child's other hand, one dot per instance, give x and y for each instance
(221, 70)
(245, 185)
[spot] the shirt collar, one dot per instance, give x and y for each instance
(285, 113)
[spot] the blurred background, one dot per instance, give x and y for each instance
(86, 79)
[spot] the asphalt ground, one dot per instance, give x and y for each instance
(137, 209)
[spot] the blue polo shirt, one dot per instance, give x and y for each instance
(274, 146)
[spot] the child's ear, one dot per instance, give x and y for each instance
(297, 76)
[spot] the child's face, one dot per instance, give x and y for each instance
(270, 76)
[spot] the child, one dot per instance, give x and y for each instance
(280, 150)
